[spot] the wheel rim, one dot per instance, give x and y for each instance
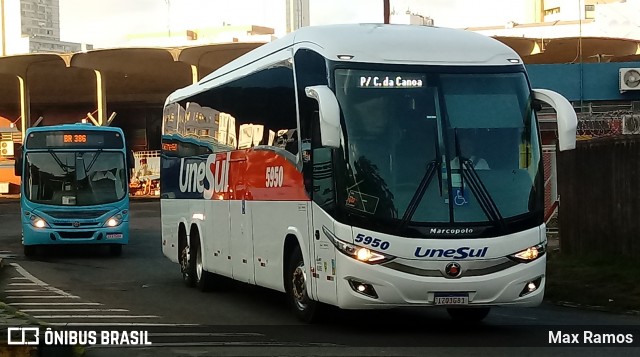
(199, 264)
(299, 287)
(184, 262)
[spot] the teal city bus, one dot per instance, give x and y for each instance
(74, 186)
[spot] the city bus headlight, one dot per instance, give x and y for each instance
(114, 221)
(38, 222)
(362, 254)
(530, 254)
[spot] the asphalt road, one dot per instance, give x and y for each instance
(142, 290)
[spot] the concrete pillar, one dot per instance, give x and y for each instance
(101, 98)
(194, 74)
(25, 105)
(3, 29)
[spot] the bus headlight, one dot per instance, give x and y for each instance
(530, 254)
(38, 222)
(362, 254)
(114, 221)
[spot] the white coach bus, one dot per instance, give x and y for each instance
(363, 166)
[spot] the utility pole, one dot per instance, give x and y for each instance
(386, 10)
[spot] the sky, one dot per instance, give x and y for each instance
(107, 23)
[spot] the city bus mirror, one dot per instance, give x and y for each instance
(566, 117)
(17, 164)
(329, 113)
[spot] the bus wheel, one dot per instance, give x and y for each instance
(188, 267)
(468, 314)
(296, 286)
(30, 250)
(115, 250)
(204, 279)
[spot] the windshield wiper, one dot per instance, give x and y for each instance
(478, 188)
(59, 162)
(417, 196)
(88, 168)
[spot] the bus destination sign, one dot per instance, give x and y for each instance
(75, 139)
(391, 81)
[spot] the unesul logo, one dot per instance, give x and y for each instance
(457, 253)
(215, 170)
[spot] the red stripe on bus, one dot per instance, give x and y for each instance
(261, 175)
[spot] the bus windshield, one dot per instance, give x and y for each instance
(427, 149)
(75, 178)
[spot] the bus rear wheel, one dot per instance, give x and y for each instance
(302, 306)
(468, 314)
(187, 266)
(203, 278)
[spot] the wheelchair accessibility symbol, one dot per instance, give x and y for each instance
(460, 197)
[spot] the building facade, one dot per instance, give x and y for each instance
(33, 26)
(297, 14)
(573, 18)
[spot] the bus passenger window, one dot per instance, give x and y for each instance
(288, 140)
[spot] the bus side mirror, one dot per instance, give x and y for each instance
(329, 113)
(567, 118)
(17, 164)
(131, 162)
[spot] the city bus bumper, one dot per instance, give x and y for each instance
(394, 288)
(103, 235)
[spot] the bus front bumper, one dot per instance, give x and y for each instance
(394, 288)
(97, 235)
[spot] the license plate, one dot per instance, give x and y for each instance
(114, 235)
(451, 299)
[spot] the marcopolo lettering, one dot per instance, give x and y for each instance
(459, 253)
(451, 231)
(215, 170)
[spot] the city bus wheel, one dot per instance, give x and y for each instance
(468, 314)
(296, 287)
(188, 267)
(115, 250)
(30, 250)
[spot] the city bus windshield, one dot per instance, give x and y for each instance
(425, 149)
(75, 178)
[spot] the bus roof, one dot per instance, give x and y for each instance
(74, 126)
(376, 43)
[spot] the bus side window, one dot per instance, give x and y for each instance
(309, 142)
(323, 179)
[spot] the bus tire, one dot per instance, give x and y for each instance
(203, 279)
(468, 314)
(188, 266)
(30, 250)
(296, 289)
(115, 250)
